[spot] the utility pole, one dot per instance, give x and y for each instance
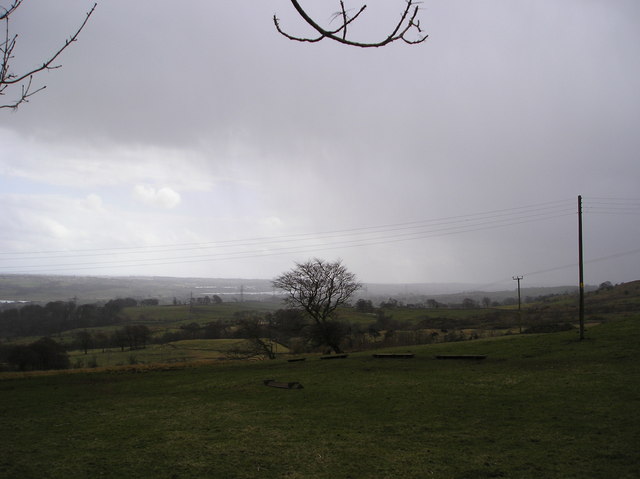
(580, 269)
(518, 278)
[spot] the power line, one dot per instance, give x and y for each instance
(246, 254)
(612, 206)
(550, 205)
(290, 249)
(569, 265)
(388, 235)
(365, 236)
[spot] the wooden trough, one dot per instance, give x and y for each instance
(476, 357)
(394, 355)
(282, 385)
(334, 356)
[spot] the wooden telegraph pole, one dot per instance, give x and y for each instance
(518, 278)
(580, 268)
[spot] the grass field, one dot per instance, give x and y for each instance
(539, 406)
(172, 316)
(177, 351)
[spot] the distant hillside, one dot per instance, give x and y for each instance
(90, 289)
(457, 293)
(621, 297)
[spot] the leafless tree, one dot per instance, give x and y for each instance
(258, 339)
(319, 287)
(257, 348)
(407, 24)
(23, 81)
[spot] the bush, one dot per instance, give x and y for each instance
(548, 328)
(41, 355)
(93, 362)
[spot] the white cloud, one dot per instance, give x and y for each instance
(54, 228)
(164, 197)
(271, 222)
(80, 164)
(92, 202)
(479, 118)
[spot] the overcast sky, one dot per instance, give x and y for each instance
(191, 139)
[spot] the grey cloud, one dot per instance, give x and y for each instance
(507, 103)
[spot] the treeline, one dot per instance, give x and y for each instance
(465, 303)
(58, 316)
(131, 336)
(289, 327)
(42, 354)
(482, 318)
(46, 353)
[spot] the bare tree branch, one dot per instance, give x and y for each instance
(25, 79)
(319, 287)
(9, 10)
(405, 25)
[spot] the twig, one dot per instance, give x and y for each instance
(8, 79)
(406, 23)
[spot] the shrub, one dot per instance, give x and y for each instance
(43, 354)
(548, 328)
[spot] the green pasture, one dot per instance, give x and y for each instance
(174, 316)
(451, 317)
(182, 314)
(539, 406)
(415, 315)
(177, 351)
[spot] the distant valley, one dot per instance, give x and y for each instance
(91, 289)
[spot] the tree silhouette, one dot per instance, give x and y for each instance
(407, 24)
(23, 81)
(20, 84)
(319, 287)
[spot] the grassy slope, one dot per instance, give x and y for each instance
(599, 305)
(177, 351)
(541, 406)
(176, 315)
